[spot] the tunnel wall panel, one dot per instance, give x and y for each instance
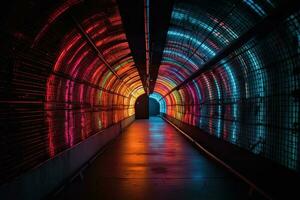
(251, 97)
(50, 175)
(126, 122)
(254, 168)
(58, 88)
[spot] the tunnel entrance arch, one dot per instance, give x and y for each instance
(154, 107)
(146, 106)
(141, 107)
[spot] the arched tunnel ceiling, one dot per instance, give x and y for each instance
(133, 18)
(230, 68)
(184, 34)
(95, 48)
(199, 33)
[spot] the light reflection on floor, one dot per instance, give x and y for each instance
(152, 161)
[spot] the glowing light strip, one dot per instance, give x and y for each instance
(147, 42)
(162, 102)
(179, 14)
(255, 7)
(219, 105)
(206, 49)
(180, 55)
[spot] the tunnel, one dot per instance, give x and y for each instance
(146, 106)
(154, 107)
(142, 107)
(150, 99)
